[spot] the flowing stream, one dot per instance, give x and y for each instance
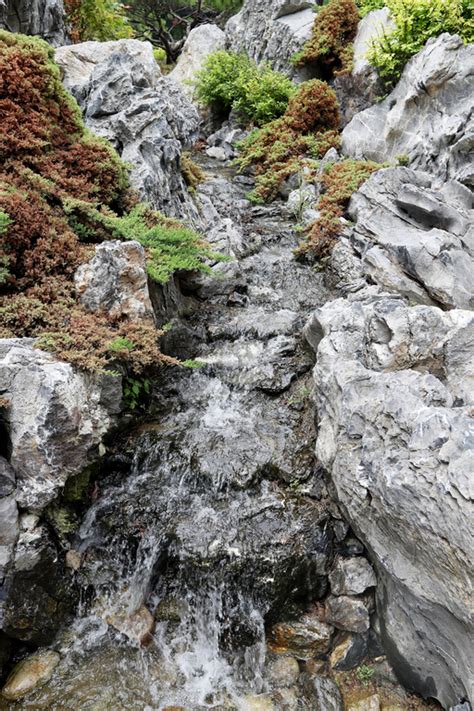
(213, 521)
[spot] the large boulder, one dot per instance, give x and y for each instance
(145, 116)
(414, 238)
(271, 31)
(394, 392)
(426, 118)
(56, 419)
(200, 43)
(45, 18)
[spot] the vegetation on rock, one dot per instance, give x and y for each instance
(62, 191)
(339, 181)
(415, 22)
(191, 172)
(306, 131)
(330, 44)
(233, 81)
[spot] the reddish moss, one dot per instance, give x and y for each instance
(340, 181)
(307, 130)
(333, 32)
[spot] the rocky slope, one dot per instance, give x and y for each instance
(394, 377)
(45, 18)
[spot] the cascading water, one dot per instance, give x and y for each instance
(220, 525)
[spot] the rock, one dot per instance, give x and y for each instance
(145, 116)
(286, 699)
(271, 30)
(373, 26)
(258, 702)
(7, 478)
(200, 43)
(426, 117)
(216, 152)
(73, 559)
(361, 88)
(423, 235)
(56, 420)
(36, 596)
(138, 626)
(304, 639)
(371, 703)
(347, 613)
(348, 652)
(115, 281)
(322, 692)
(45, 18)
(29, 674)
(394, 388)
(8, 529)
(351, 576)
(283, 671)
(301, 203)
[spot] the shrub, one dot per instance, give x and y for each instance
(366, 6)
(340, 181)
(191, 172)
(101, 20)
(416, 21)
(306, 131)
(334, 30)
(62, 190)
(233, 81)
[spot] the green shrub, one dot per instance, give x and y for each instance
(416, 21)
(4, 273)
(366, 6)
(233, 81)
(100, 20)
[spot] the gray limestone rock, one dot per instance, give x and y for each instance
(427, 117)
(271, 31)
(115, 281)
(56, 420)
(145, 116)
(200, 43)
(424, 235)
(351, 576)
(45, 18)
(395, 426)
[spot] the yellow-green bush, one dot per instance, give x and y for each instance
(416, 21)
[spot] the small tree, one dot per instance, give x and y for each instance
(167, 23)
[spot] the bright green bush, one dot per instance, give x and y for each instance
(416, 21)
(233, 81)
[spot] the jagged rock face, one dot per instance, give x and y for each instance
(414, 239)
(201, 42)
(56, 419)
(271, 31)
(115, 281)
(427, 117)
(45, 18)
(146, 116)
(394, 395)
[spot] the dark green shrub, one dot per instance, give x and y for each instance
(233, 81)
(101, 20)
